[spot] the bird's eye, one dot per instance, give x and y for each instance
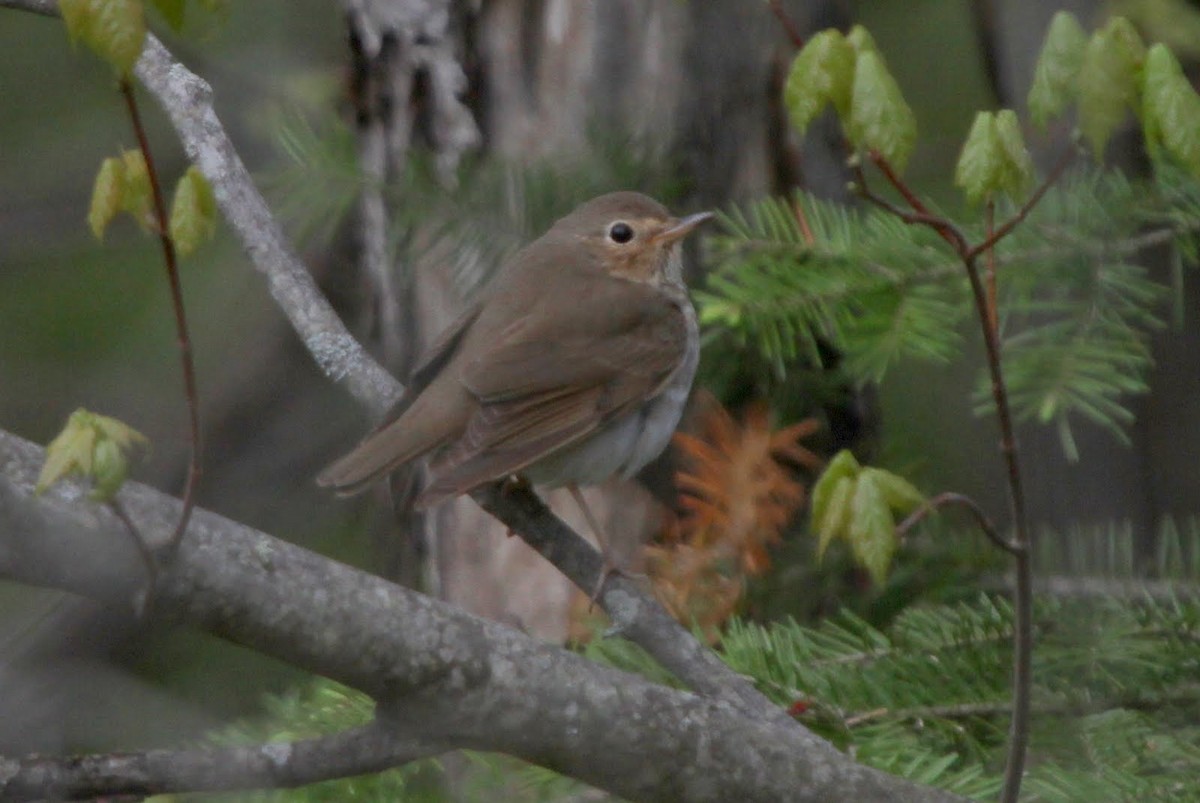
(620, 232)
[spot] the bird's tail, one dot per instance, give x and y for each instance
(417, 431)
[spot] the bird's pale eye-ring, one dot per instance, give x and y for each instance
(620, 232)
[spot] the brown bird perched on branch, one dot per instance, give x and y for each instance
(573, 366)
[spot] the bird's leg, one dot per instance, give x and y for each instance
(608, 566)
(512, 483)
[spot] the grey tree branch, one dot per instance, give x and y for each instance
(370, 748)
(443, 677)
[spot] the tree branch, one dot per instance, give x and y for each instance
(636, 615)
(442, 675)
(370, 748)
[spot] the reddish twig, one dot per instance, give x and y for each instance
(789, 26)
(1005, 228)
(919, 213)
(181, 327)
(993, 318)
(141, 607)
(949, 498)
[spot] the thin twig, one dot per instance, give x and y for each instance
(919, 215)
(950, 498)
(1005, 228)
(1023, 597)
(789, 25)
(191, 396)
(146, 604)
(989, 218)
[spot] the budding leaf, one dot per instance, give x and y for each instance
(835, 515)
(114, 29)
(900, 495)
(822, 72)
(94, 446)
(880, 119)
(193, 212)
(872, 531)
(977, 162)
(861, 41)
(1171, 108)
(69, 453)
(994, 157)
(1016, 172)
(1109, 78)
(842, 465)
(136, 195)
(106, 196)
(109, 469)
(1057, 68)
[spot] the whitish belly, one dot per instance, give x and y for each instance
(625, 444)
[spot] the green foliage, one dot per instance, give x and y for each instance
(1076, 311)
(320, 180)
(927, 698)
(113, 29)
(994, 159)
(122, 185)
(193, 212)
(1057, 68)
(823, 72)
(320, 708)
(1109, 81)
(850, 73)
(875, 288)
(1171, 117)
(93, 446)
(858, 505)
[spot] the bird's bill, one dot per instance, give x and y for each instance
(681, 227)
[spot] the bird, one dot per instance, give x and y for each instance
(572, 366)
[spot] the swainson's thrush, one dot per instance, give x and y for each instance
(573, 366)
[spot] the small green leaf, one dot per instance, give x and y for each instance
(1109, 79)
(70, 452)
(823, 71)
(842, 465)
(835, 514)
(109, 469)
(861, 41)
(106, 195)
(1054, 77)
(90, 445)
(118, 31)
(115, 30)
(136, 196)
(901, 496)
(880, 119)
(976, 170)
(193, 212)
(1171, 108)
(117, 431)
(1016, 165)
(172, 11)
(872, 531)
(77, 16)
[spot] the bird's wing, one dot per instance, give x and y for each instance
(389, 445)
(554, 378)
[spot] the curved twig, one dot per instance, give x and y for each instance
(962, 500)
(188, 364)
